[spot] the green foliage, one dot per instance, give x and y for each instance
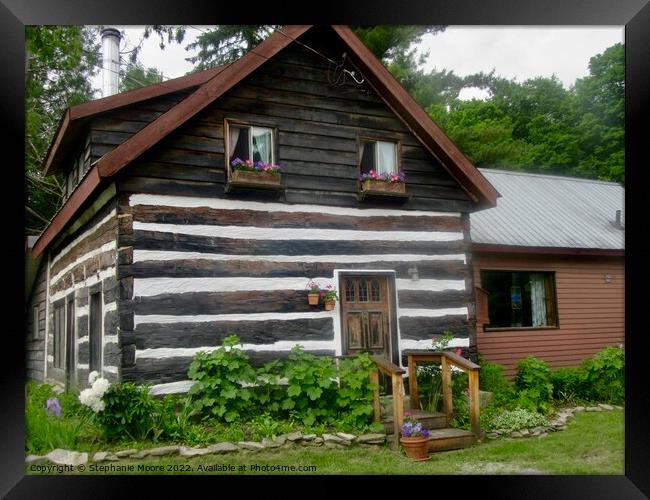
(570, 385)
(265, 425)
(219, 375)
(429, 377)
(355, 394)
(129, 412)
(312, 389)
(45, 432)
(136, 76)
(460, 400)
(492, 379)
(605, 375)
(533, 384)
(513, 420)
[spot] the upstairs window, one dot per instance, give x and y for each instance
(380, 156)
(251, 143)
(520, 299)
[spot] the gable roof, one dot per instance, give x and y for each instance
(556, 213)
(214, 83)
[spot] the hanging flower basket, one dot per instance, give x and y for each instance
(329, 305)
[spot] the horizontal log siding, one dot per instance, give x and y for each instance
(192, 291)
(318, 125)
(591, 312)
(85, 263)
(35, 335)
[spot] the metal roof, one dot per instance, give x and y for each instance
(550, 211)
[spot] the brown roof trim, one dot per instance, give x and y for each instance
(487, 248)
(417, 120)
(232, 74)
(89, 183)
(124, 99)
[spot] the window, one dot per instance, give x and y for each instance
(380, 156)
(520, 299)
(35, 312)
(95, 332)
(59, 329)
(250, 143)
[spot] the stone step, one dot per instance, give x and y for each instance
(430, 420)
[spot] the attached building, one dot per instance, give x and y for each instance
(549, 264)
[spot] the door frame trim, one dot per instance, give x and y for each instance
(390, 276)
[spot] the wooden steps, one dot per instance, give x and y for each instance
(430, 420)
(449, 439)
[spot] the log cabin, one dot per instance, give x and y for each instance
(161, 248)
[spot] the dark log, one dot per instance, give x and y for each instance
(212, 333)
(419, 299)
(423, 328)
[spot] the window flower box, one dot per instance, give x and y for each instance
(256, 175)
(387, 184)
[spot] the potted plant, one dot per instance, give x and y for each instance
(391, 183)
(415, 438)
(250, 173)
(328, 297)
(313, 296)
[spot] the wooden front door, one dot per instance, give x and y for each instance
(365, 313)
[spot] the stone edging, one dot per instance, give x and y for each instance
(338, 440)
(557, 424)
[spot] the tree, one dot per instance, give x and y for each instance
(136, 75)
(60, 63)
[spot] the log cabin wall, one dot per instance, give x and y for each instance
(82, 264)
(35, 326)
(197, 263)
(591, 310)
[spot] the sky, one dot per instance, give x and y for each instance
(519, 52)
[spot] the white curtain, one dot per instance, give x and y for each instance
(537, 299)
(234, 137)
(385, 157)
(262, 144)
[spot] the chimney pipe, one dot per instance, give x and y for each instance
(110, 61)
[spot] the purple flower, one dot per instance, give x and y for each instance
(52, 406)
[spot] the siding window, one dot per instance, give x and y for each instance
(35, 322)
(59, 340)
(95, 332)
(380, 156)
(250, 143)
(519, 299)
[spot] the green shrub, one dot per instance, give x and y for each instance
(535, 374)
(129, 412)
(460, 400)
(569, 385)
(265, 425)
(218, 392)
(605, 375)
(312, 388)
(513, 420)
(429, 377)
(354, 397)
(492, 379)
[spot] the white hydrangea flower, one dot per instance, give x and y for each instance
(100, 386)
(92, 376)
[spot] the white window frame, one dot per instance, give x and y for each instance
(250, 138)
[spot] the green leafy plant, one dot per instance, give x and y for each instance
(605, 375)
(429, 377)
(265, 425)
(492, 379)
(311, 390)
(222, 377)
(268, 392)
(570, 385)
(533, 383)
(442, 342)
(129, 411)
(355, 394)
(513, 420)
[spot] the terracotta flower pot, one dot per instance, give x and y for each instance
(329, 305)
(313, 299)
(415, 447)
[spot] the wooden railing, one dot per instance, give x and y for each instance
(446, 359)
(395, 373)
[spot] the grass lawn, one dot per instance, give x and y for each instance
(593, 443)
